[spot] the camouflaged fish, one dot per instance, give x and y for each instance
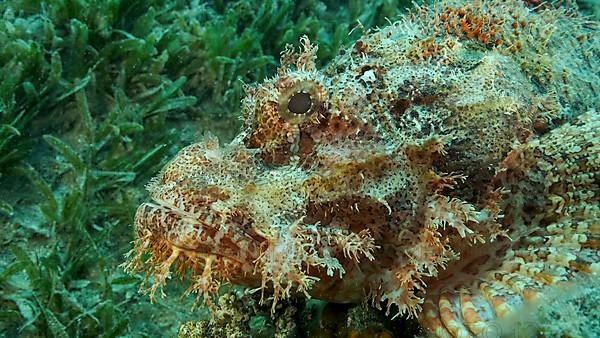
(445, 167)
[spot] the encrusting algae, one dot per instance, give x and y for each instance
(445, 166)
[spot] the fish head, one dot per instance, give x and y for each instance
(276, 208)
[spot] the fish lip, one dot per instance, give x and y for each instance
(198, 233)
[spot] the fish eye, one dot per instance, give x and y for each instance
(300, 103)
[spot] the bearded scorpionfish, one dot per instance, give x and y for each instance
(445, 167)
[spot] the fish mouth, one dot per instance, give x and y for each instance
(202, 232)
(194, 227)
(196, 205)
(204, 247)
(221, 215)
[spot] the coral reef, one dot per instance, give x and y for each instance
(239, 314)
(445, 167)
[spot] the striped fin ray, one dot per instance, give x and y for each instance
(553, 213)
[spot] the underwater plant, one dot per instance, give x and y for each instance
(442, 167)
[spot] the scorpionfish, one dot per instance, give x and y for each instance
(444, 167)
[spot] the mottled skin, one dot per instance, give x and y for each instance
(443, 166)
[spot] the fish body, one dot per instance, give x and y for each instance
(445, 166)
